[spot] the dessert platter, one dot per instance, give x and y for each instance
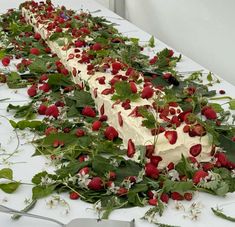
(118, 124)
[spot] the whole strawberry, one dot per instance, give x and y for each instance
(88, 111)
(6, 61)
(111, 133)
(96, 184)
(199, 175)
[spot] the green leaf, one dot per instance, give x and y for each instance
(222, 189)
(42, 191)
(6, 173)
(123, 92)
(217, 107)
(184, 168)
(232, 104)
(149, 121)
(9, 187)
(26, 111)
(152, 42)
(39, 65)
(174, 186)
(101, 165)
(219, 213)
(27, 124)
(58, 80)
(38, 177)
(209, 77)
(2, 53)
(228, 145)
(83, 98)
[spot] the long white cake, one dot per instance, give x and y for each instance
(129, 127)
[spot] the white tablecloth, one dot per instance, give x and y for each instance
(25, 166)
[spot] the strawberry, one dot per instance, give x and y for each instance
(84, 170)
(210, 114)
(153, 60)
(96, 47)
(221, 159)
(64, 71)
(107, 91)
(130, 148)
(79, 43)
(199, 175)
(152, 202)
(52, 111)
(120, 120)
(164, 197)
(133, 87)
(176, 196)
(199, 130)
(101, 80)
(103, 118)
(166, 76)
(188, 196)
(95, 92)
(147, 92)
(37, 36)
(79, 132)
(32, 91)
(43, 77)
(42, 109)
(122, 191)
(88, 111)
(151, 171)
(186, 128)
(222, 92)
(149, 150)
(195, 150)
(116, 66)
(208, 166)
(170, 166)
(175, 121)
(170, 53)
(111, 133)
(50, 131)
(74, 195)
(34, 51)
(171, 136)
(96, 125)
(45, 87)
(112, 176)
(95, 184)
(155, 160)
(102, 110)
(6, 61)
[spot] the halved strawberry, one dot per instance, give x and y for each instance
(172, 136)
(120, 120)
(195, 150)
(147, 92)
(199, 175)
(133, 87)
(130, 148)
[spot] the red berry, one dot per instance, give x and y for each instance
(175, 121)
(42, 109)
(151, 171)
(188, 196)
(80, 132)
(221, 159)
(195, 150)
(176, 196)
(116, 66)
(95, 184)
(210, 114)
(170, 53)
(50, 130)
(155, 160)
(130, 148)
(96, 47)
(133, 87)
(199, 175)
(45, 87)
(186, 129)
(199, 130)
(43, 77)
(149, 150)
(111, 133)
(52, 111)
(170, 166)
(88, 111)
(6, 61)
(208, 166)
(84, 170)
(74, 195)
(120, 120)
(103, 118)
(96, 125)
(153, 202)
(164, 197)
(37, 36)
(112, 176)
(34, 51)
(122, 191)
(147, 92)
(222, 92)
(32, 91)
(171, 136)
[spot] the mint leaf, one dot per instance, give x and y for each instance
(6, 173)
(217, 107)
(174, 186)
(184, 168)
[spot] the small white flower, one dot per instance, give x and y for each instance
(113, 189)
(233, 173)
(46, 181)
(174, 175)
(83, 179)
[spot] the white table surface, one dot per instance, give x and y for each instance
(25, 166)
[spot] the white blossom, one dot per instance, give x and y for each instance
(174, 175)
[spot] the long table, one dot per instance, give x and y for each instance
(25, 166)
